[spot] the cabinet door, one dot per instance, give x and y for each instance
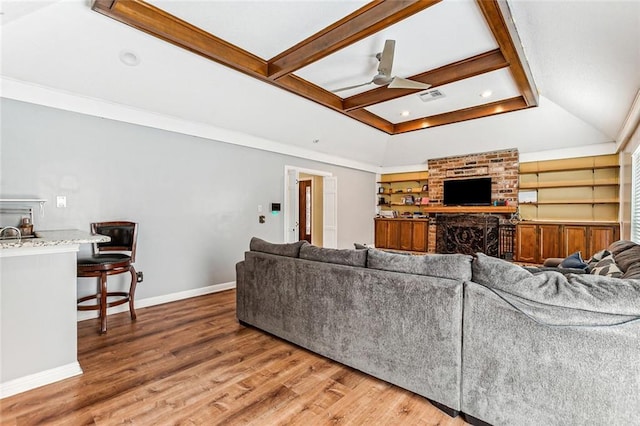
(526, 242)
(420, 236)
(406, 231)
(574, 238)
(549, 242)
(393, 234)
(381, 231)
(600, 237)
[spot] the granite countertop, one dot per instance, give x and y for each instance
(55, 238)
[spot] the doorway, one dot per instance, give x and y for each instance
(305, 210)
(310, 207)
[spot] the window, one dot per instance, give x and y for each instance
(635, 198)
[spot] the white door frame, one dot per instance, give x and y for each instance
(289, 221)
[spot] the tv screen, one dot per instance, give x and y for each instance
(467, 192)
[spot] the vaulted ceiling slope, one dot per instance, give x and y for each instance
(584, 58)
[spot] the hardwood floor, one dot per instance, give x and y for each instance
(190, 362)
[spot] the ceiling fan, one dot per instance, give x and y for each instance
(384, 73)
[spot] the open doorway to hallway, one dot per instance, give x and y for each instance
(311, 207)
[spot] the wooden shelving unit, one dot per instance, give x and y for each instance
(584, 188)
(397, 186)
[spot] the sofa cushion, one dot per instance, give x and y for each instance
(573, 261)
(627, 258)
(453, 266)
(607, 266)
(286, 249)
(340, 256)
(555, 299)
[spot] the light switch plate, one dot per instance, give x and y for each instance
(61, 201)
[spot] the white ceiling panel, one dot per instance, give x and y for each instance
(458, 95)
(262, 27)
(449, 31)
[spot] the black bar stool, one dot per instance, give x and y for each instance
(112, 258)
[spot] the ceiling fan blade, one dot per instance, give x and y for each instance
(403, 83)
(386, 58)
(351, 87)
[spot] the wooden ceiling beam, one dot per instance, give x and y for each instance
(470, 67)
(480, 111)
(306, 89)
(366, 117)
(148, 18)
(498, 17)
(365, 21)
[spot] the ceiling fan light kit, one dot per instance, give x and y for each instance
(384, 73)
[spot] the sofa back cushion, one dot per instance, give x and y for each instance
(340, 256)
(559, 299)
(452, 266)
(286, 249)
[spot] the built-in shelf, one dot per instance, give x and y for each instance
(540, 185)
(610, 201)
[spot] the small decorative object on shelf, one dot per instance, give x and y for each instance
(381, 190)
(425, 188)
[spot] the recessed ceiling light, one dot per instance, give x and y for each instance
(486, 93)
(129, 58)
(405, 113)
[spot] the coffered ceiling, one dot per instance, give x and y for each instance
(462, 49)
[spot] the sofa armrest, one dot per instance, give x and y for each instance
(553, 261)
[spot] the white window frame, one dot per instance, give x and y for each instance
(635, 196)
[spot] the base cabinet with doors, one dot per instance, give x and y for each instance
(536, 242)
(402, 234)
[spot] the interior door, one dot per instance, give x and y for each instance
(305, 210)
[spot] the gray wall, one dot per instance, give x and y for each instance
(195, 199)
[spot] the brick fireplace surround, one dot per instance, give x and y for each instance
(502, 167)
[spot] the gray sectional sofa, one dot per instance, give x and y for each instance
(479, 336)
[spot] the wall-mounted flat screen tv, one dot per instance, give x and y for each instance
(467, 192)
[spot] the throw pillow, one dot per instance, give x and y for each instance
(593, 261)
(360, 246)
(289, 250)
(573, 261)
(607, 266)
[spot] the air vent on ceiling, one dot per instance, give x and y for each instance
(431, 95)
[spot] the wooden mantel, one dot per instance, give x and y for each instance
(470, 209)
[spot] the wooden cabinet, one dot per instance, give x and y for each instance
(536, 242)
(402, 234)
(419, 236)
(527, 243)
(549, 244)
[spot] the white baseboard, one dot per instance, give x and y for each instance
(159, 300)
(32, 381)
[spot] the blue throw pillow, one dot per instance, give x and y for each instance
(574, 261)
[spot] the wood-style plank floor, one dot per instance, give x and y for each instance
(190, 362)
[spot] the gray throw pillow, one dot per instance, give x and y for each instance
(607, 266)
(452, 266)
(591, 263)
(340, 256)
(286, 249)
